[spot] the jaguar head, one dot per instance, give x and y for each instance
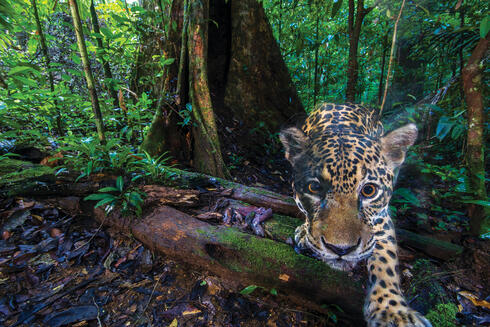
(343, 183)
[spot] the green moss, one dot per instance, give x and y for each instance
(282, 227)
(13, 171)
(258, 254)
(444, 315)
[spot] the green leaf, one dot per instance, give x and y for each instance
(99, 196)
(482, 203)
(22, 69)
(249, 289)
(407, 196)
(273, 291)
(443, 127)
(120, 183)
(104, 201)
(484, 26)
(108, 189)
(25, 81)
(168, 61)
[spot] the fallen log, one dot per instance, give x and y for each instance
(40, 181)
(231, 254)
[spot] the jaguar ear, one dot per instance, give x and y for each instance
(395, 144)
(294, 142)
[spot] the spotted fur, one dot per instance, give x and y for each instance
(344, 167)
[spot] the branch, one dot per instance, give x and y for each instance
(393, 42)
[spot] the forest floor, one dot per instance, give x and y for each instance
(61, 269)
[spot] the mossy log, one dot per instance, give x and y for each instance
(23, 178)
(251, 260)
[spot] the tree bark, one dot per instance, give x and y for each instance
(207, 152)
(47, 61)
(229, 64)
(475, 155)
(355, 20)
(241, 257)
(101, 51)
(88, 72)
(258, 85)
(317, 47)
(383, 61)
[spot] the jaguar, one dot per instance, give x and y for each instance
(344, 167)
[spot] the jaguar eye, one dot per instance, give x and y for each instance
(369, 190)
(314, 187)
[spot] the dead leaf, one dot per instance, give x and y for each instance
(192, 311)
(174, 323)
(474, 299)
(284, 277)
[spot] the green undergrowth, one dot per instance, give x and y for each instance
(443, 315)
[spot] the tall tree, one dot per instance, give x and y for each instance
(354, 25)
(207, 151)
(89, 78)
(47, 61)
(475, 155)
(101, 51)
(228, 67)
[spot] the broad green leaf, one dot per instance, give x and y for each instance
(443, 127)
(103, 202)
(479, 202)
(25, 81)
(120, 183)
(108, 189)
(484, 26)
(99, 196)
(249, 289)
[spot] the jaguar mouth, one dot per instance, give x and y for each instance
(338, 263)
(341, 264)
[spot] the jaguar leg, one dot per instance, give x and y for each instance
(385, 305)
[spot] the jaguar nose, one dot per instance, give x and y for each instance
(340, 250)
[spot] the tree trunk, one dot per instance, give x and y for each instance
(229, 68)
(258, 85)
(101, 51)
(88, 72)
(475, 155)
(47, 61)
(207, 152)
(355, 20)
(317, 46)
(165, 134)
(383, 61)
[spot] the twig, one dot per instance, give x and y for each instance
(131, 92)
(98, 312)
(391, 57)
(151, 295)
(93, 235)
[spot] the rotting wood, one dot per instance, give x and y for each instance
(168, 195)
(47, 184)
(231, 254)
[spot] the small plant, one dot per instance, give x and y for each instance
(251, 288)
(155, 169)
(186, 115)
(129, 199)
(89, 156)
